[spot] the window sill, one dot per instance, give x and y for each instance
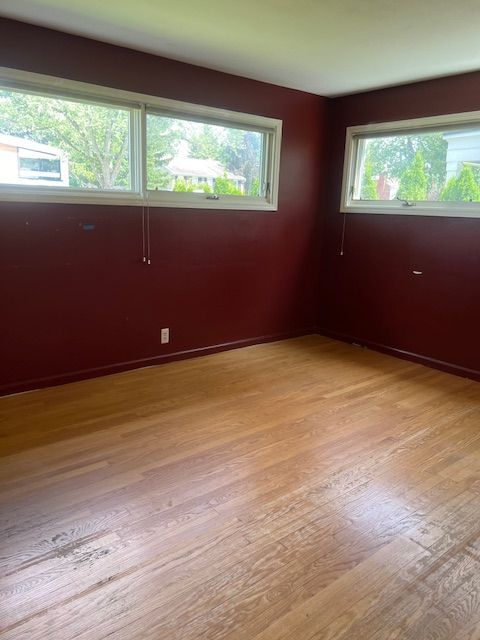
(166, 200)
(443, 211)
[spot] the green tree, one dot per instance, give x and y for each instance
(369, 184)
(185, 186)
(414, 182)
(242, 156)
(239, 151)
(224, 185)
(255, 187)
(463, 188)
(162, 144)
(95, 137)
(392, 155)
(205, 187)
(206, 143)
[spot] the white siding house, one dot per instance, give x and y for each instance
(198, 171)
(31, 163)
(463, 148)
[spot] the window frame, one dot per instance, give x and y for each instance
(351, 167)
(138, 104)
(213, 116)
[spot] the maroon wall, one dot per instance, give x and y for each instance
(369, 295)
(77, 303)
(75, 300)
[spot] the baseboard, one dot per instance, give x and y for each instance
(95, 372)
(85, 374)
(448, 367)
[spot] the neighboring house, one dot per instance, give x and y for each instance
(31, 163)
(463, 148)
(387, 187)
(198, 171)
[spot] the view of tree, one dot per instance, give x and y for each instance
(369, 184)
(206, 143)
(185, 186)
(255, 188)
(392, 155)
(414, 181)
(225, 186)
(237, 150)
(463, 188)
(96, 139)
(242, 155)
(182, 186)
(162, 145)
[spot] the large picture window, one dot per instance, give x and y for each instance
(68, 141)
(429, 166)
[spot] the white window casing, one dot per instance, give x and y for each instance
(353, 169)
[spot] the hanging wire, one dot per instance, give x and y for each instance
(342, 244)
(149, 255)
(144, 257)
(146, 251)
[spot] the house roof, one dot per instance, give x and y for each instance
(29, 145)
(200, 168)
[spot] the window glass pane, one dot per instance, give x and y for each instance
(53, 142)
(188, 156)
(420, 167)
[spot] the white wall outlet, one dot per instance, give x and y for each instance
(165, 336)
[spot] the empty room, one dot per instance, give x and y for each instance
(240, 317)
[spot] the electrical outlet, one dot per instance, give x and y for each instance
(165, 336)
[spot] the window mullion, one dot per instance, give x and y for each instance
(142, 150)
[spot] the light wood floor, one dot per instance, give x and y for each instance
(299, 490)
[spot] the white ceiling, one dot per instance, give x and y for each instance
(328, 47)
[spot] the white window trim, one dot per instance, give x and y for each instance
(350, 168)
(138, 103)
